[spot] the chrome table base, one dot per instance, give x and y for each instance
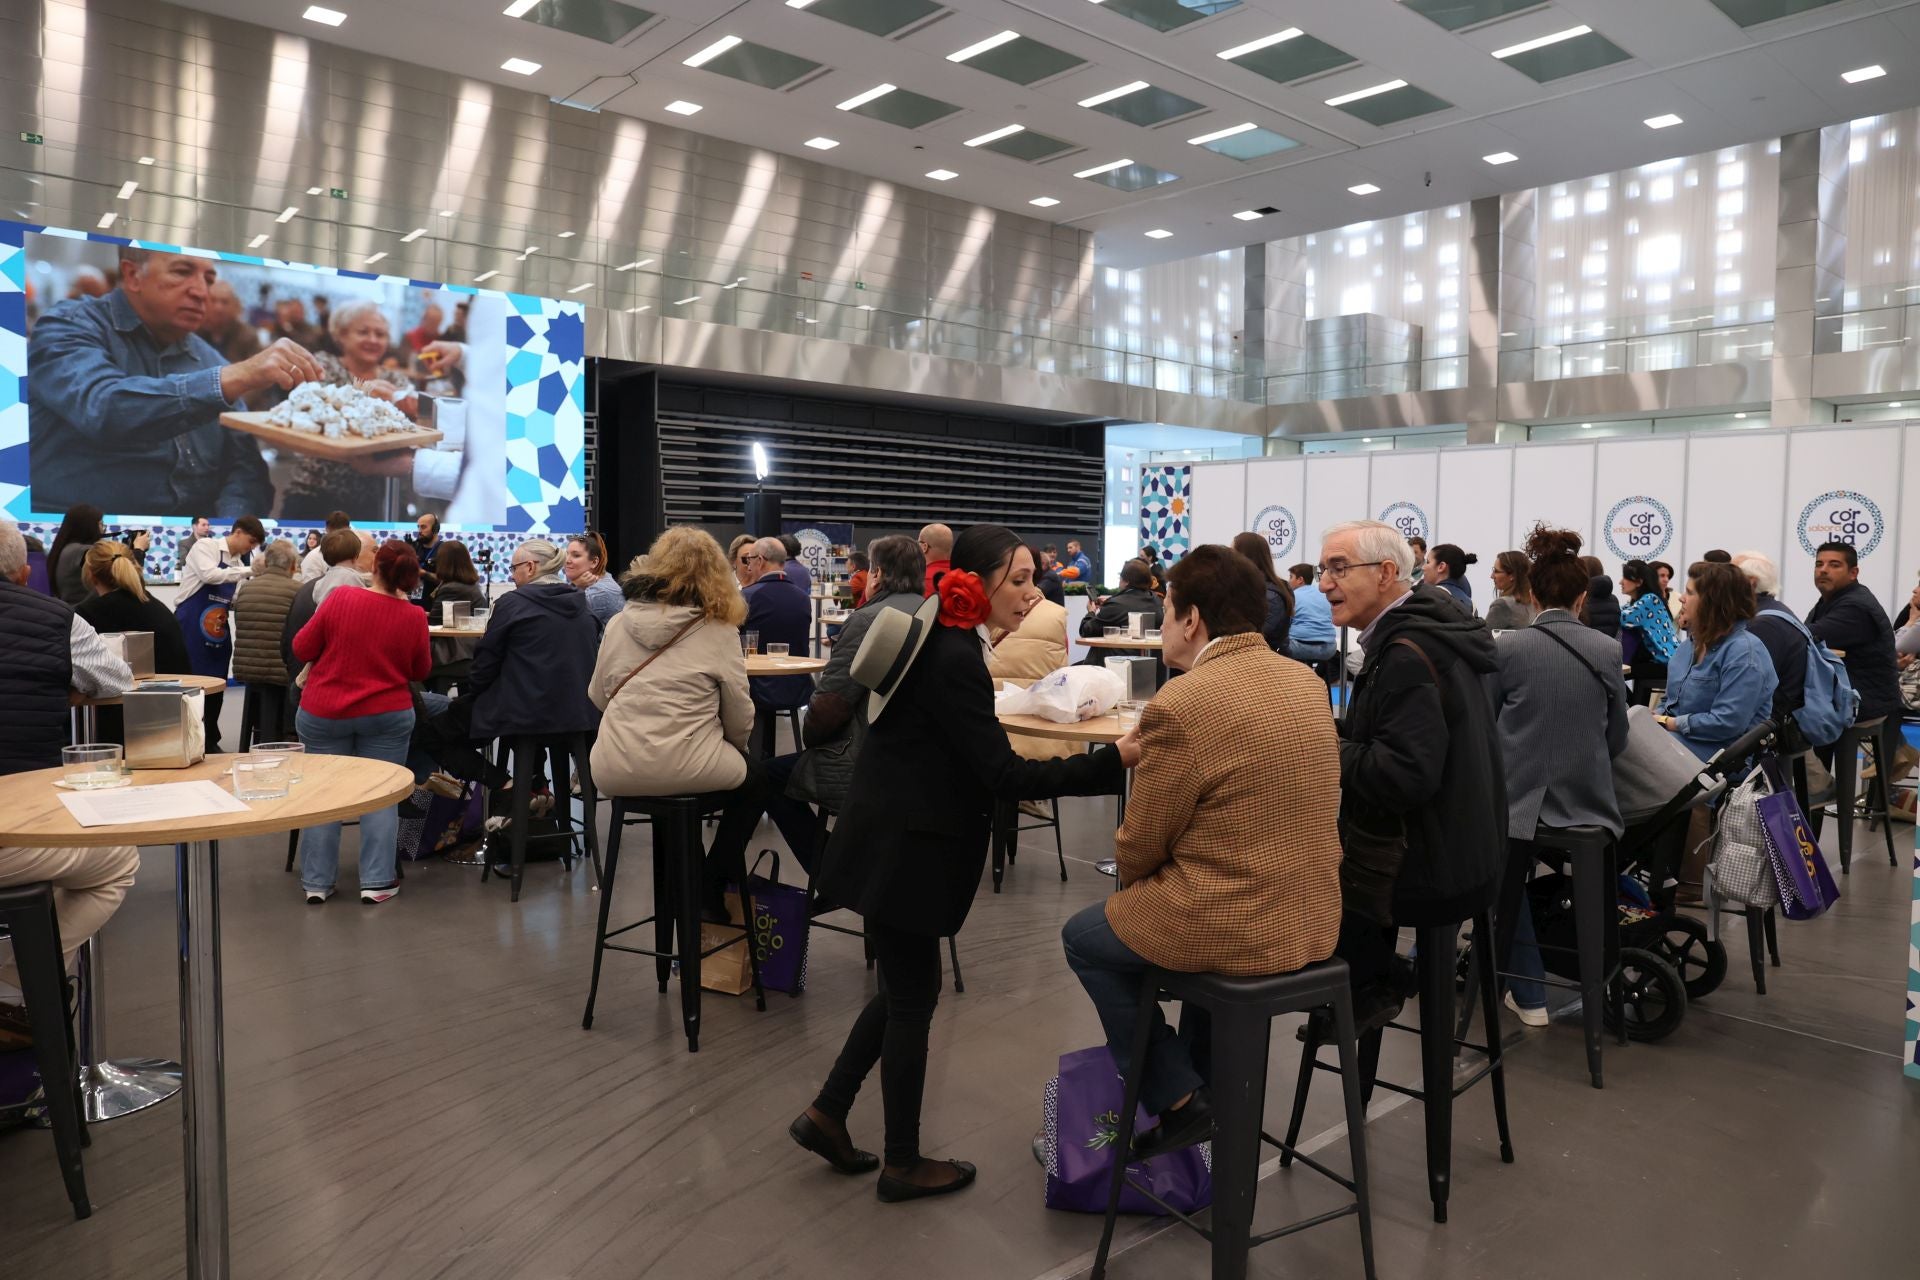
(109, 1089)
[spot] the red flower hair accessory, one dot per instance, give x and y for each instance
(963, 599)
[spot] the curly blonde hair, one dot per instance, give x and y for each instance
(685, 566)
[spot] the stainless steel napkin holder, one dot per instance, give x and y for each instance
(164, 724)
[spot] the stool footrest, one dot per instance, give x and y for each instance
(1294, 1153)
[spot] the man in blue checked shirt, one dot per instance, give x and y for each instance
(124, 398)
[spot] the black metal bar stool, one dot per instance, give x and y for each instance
(823, 823)
(1006, 837)
(1434, 963)
(264, 704)
(1240, 1012)
(766, 720)
(677, 860)
(566, 754)
(27, 917)
(1873, 737)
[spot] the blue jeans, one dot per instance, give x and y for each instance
(1527, 968)
(1310, 652)
(381, 737)
(1110, 970)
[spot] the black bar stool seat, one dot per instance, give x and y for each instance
(1882, 747)
(567, 753)
(677, 876)
(264, 705)
(1437, 952)
(27, 917)
(1240, 1012)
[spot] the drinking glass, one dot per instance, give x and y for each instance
(262, 775)
(1153, 633)
(295, 752)
(1127, 712)
(478, 619)
(778, 650)
(92, 768)
(1114, 633)
(750, 642)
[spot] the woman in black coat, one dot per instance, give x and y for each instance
(1279, 621)
(909, 848)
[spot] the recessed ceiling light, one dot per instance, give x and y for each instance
(645, 306)
(486, 276)
(1895, 405)
(681, 107)
(865, 306)
(1249, 215)
(528, 252)
(325, 17)
(822, 144)
(711, 52)
(106, 220)
(862, 99)
(1158, 233)
(991, 42)
(1363, 189)
(1500, 157)
(565, 235)
(1218, 134)
(286, 214)
(1666, 121)
(1043, 202)
(520, 66)
(1006, 131)
(1103, 168)
(1111, 94)
(941, 175)
(257, 241)
(798, 4)
(808, 320)
(1858, 74)
(519, 7)
(581, 288)
(1541, 42)
(446, 213)
(629, 266)
(1586, 426)
(681, 302)
(127, 189)
(316, 191)
(1368, 92)
(146, 159)
(413, 235)
(372, 258)
(731, 285)
(1366, 439)
(1241, 50)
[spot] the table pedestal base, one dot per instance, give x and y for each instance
(109, 1090)
(203, 1097)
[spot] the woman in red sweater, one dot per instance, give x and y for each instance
(362, 649)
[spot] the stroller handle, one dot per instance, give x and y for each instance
(1742, 747)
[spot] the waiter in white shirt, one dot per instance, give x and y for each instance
(206, 596)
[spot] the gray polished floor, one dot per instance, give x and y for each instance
(411, 1095)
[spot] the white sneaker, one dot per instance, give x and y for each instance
(317, 896)
(374, 897)
(1528, 1017)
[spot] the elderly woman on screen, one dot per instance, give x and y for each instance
(360, 330)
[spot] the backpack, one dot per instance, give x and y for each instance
(1830, 702)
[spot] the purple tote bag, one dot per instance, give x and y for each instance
(1806, 886)
(1082, 1134)
(779, 928)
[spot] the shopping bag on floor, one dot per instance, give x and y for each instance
(779, 928)
(1082, 1108)
(1799, 868)
(726, 970)
(427, 817)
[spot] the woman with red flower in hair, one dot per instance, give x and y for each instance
(911, 843)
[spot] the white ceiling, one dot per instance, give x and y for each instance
(1729, 85)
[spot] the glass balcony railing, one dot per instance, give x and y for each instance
(1635, 344)
(1375, 379)
(1876, 318)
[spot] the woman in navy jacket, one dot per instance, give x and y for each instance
(910, 845)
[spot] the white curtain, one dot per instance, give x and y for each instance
(1406, 268)
(1186, 313)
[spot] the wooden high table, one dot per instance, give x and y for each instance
(760, 664)
(1100, 729)
(87, 729)
(332, 789)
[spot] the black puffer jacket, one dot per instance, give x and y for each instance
(1603, 607)
(1425, 759)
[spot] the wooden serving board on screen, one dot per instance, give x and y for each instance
(336, 448)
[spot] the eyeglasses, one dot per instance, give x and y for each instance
(1338, 570)
(520, 564)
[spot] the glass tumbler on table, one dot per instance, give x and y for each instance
(1127, 712)
(1113, 633)
(295, 752)
(778, 650)
(261, 775)
(92, 767)
(749, 642)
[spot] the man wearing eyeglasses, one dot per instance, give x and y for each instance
(1420, 773)
(780, 613)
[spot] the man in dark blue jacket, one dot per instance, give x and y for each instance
(780, 613)
(1851, 622)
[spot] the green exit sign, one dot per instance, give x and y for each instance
(33, 139)
(338, 193)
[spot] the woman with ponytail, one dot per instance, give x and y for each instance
(120, 602)
(911, 842)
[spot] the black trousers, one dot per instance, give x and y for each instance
(448, 738)
(764, 791)
(892, 1031)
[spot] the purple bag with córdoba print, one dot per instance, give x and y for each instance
(1082, 1132)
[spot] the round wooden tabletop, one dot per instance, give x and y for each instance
(331, 789)
(760, 664)
(1118, 642)
(1098, 729)
(456, 633)
(205, 684)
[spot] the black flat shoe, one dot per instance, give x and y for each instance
(1191, 1124)
(811, 1137)
(894, 1190)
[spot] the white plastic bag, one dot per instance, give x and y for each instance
(1068, 696)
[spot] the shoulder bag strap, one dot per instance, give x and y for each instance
(1577, 657)
(1424, 661)
(691, 624)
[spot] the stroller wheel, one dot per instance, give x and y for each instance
(1702, 964)
(1655, 1000)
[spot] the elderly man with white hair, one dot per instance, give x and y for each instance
(50, 650)
(1778, 628)
(779, 611)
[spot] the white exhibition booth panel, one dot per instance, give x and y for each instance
(1648, 497)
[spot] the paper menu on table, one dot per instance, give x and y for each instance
(163, 802)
